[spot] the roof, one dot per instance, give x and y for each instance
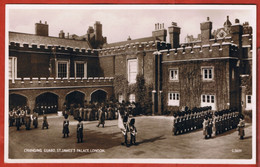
(147, 39)
(46, 40)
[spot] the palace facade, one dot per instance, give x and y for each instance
(214, 69)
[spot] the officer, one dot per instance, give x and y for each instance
(45, 121)
(133, 131)
(101, 116)
(241, 127)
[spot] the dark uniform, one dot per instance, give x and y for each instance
(133, 131)
(45, 122)
(65, 130)
(80, 131)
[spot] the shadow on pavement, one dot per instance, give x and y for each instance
(151, 140)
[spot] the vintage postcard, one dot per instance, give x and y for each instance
(130, 84)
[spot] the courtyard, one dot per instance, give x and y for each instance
(154, 140)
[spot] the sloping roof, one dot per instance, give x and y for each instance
(46, 40)
(147, 39)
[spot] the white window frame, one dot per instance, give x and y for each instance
(175, 76)
(173, 99)
(207, 68)
(128, 70)
(120, 98)
(85, 68)
(132, 98)
(208, 100)
(13, 68)
(57, 68)
(248, 105)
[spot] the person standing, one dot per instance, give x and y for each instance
(241, 127)
(80, 130)
(65, 130)
(45, 122)
(133, 131)
(101, 117)
(205, 127)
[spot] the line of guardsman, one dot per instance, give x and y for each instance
(189, 120)
(90, 111)
(221, 121)
(23, 116)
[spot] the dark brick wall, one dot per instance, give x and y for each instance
(191, 85)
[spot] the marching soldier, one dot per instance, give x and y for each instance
(80, 130)
(65, 130)
(133, 131)
(209, 129)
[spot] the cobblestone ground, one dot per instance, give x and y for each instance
(155, 140)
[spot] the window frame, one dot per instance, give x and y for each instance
(128, 70)
(57, 68)
(206, 100)
(170, 72)
(173, 99)
(248, 105)
(131, 99)
(13, 68)
(85, 68)
(207, 68)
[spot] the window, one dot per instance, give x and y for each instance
(208, 100)
(173, 99)
(132, 70)
(80, 69)
(174, 75)
(12, 68)
(132, 98)
(120, 98)
(207, 73)
(62, 69)
(248, 102)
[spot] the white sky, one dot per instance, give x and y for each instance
(119, 23)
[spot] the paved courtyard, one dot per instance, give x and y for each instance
(155, 140)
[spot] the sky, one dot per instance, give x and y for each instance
(119, 22)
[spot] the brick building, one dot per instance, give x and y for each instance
(214, 69)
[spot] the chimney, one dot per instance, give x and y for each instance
(206, 28)
(42, 29)
(174, 35)
(61, 34)
(160, 32)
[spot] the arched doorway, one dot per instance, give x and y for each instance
(17, 100)
(47, 102)
(75, 98)
(99, 96)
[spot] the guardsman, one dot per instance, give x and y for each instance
(22, 115)
(241, 127)
(133, 131)
(45, 121)
(66, 130)
(35, 119)
(80, 130)
(205, 127)
(210, 126)
(11, 117)
(101, 116)
(27, 118)
(175, 121)
(18, 119)
(215, 124)
(125, 123)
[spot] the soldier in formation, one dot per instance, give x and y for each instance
(189, 120)
(65, 130)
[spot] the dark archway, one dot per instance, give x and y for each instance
(75, 97)
(99, 96)
(47, 102)
(17, 100)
